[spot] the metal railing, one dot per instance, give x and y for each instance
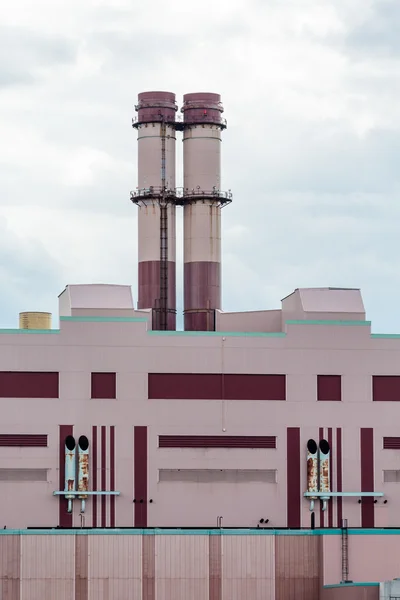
(180, 195)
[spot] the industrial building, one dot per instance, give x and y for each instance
(254, 455)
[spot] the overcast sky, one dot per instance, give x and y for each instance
(311, 153)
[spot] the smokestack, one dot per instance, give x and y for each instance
(155, 197)
(203, 200)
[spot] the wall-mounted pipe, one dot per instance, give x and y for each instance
(324, 471)
(70, 468)
(312, 470)
(83, 469)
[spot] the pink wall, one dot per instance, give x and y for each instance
(129, 350)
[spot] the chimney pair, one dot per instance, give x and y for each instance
(201, 197)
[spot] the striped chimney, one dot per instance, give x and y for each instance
(203, 200)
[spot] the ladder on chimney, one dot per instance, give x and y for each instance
(163, 321)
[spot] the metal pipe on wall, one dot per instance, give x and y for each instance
(70, 469)
(83, 470)
(324, 471)
(155, 197)
(312, 471)
(203, 200)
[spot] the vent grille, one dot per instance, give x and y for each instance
(216, 441)
(26, 439)
(23, 474)
(391, 443)
(391, 476)
(217, 475)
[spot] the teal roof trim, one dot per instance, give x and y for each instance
(271, 334)
(353, 584)
(212, 531)
(28, 331)
(104, 319)
(330, 322)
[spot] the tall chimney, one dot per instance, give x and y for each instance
(203, 200)
(156, 199)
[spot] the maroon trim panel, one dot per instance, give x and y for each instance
(214, 567)
(254, 387)
(329, 388)
(386, 388)
(367, 476)
(26, 440)
(216, 386)
(112, 475)
(216, 441)
(321, 512)
(149, 289)
(28, 384)
(330, 503)
(94, 475)
(104, 386)
(391, 443)
(293, 477)
(140, 475)
(103, 468)
(65, 518)
(202, 293)
(339, 475)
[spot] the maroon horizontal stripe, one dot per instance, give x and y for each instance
(216, 386)
(28, 384)
(386, 388)
(216, 441)
(329, 388)
(104, 385)
(149, 289)
(391, 443)
(24, 439)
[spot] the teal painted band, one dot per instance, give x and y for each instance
(104, 319)
(385, 336)
(213, 531)
(277, 334)
(354, 584)
(328, 322)
(28, 331)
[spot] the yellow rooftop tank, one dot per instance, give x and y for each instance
(35, 320)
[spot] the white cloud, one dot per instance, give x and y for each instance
(311, 152)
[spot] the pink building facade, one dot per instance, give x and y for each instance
(206, 429)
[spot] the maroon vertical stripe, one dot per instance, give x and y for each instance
(339, 476)
(367, 476)
(321, 512)
(330, 503)
(94, 475)
(112, 475)
(293, 477)
(65, 518)
(103, 475)
(140, 475)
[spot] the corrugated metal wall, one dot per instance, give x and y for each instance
(248, 567)
(153, 566)
(298, 564)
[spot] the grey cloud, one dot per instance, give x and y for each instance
(379, 33)
(23, 51)
(29, 277)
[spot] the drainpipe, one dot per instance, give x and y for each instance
(324, 471)
(70, 469)
(312, 470)
(83, 470)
